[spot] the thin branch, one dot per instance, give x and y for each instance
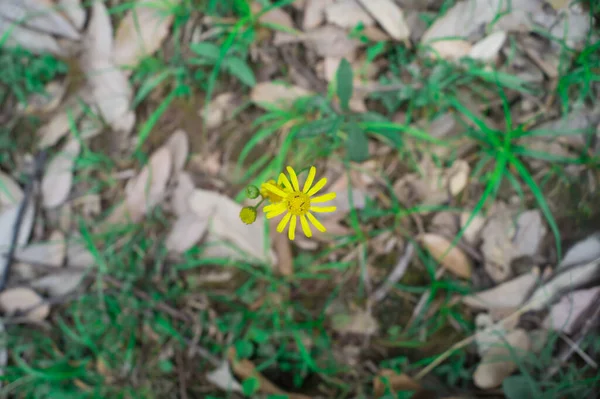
(395, 275)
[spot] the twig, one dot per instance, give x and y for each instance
(39, 162)
(395, 275)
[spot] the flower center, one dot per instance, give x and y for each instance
(298, 203)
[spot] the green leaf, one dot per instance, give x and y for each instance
(357, 144)
(320, 126)
(243, 349)
(344, 83)
(250, 385)
(519, 387)
(205, 49)
(240, 69)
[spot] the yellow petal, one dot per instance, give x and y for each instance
(309, 180)
(322, 209)
(275, 190)
(284, 180)
(305, 226)
(315, 222)
(283, 222)
(292, 230)
(274, 207)
(276, 212)
(294, 178)
(320, 184)
(323, 198)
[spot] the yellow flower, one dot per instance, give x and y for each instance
(268, 194)
(298, 203)
(248, 214)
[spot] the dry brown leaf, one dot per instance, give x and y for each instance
(51, 252)
(186, 232)
(530, 233)
(472, 233)
(510, 294)
(10, 191)
(219, 110)
(389, 379)
(181, 194)
(78, 255)
(39, 15)
(179, 147)
(357, 322)
(58, 126)
(314, 13)
(274, 16)
(488, 333)
(331, 41)
(147, 189)
(458, 176)
(583, 251)
(450, 49)
(444, 223)
(564, 314)
(276, 94)
(37, 42)
(347, 14)
(59, 283)
(499, 361)
(497, 247)
(390, 16)
(488, 48)
(47, 101)
(142, 31)
(58, 177)
(74, 11)
(21, 299)
(452, 258)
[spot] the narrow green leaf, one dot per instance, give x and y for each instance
(320, 126)
(357, 144)
(344, 83)
(240, 69)
(205, 49)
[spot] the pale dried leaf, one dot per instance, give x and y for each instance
(58, 126)
(142, 31)
(458, 176)
(74, 11)
(583, 252)
(181, 194)
(451, 49)
(10, 192)
(497, 247)
(223, 378)
(37, 42)
(274, 16)
(314, 13)
(488, 48)
(8, 218)
(451, 258)
(13, 300)
(47, 101)
(331, 41)
(347, 14)
(147, 189)
(51, 252)
(59, 284)
(98, 39)
(472, 233)
(500, 361)
(444, 223)
(39, 15)
(489, 334)
(58, 177)
(565, 313)
(218, 110)
(179, 146)
(530, 233)
(510, 294)
(390, 16)
(276, 94)
(186, 232)
(358, 322)
(78, 255)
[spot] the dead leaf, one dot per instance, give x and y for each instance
(39, 15)
(530, 233)
(59, 284)
(472, 232)
(444, 223)
(387, 379)
(58, 177)
(58, 126)
(450, 49)
(181, 194)
(10, 191)
(489, 334)
(47, 101)
(510, 294)
(51, 252)
(582, 252)
(98, 39)
(74, 11)
(452, 259)
(389, 16)
(497, 247)
(314, 13)
(186, 232)
(347, 14)
(331, 41)
(272, 93)
(147, 189)
(458, 176)
(223, 378)
(564, 314)
(218, 110)
(179, 147)
(500, 360)
(37, 42)
(488, 48)
(274, 16)
(18, 299)
(77, 253)
(8, 218)
(359, 322)
(142, 31)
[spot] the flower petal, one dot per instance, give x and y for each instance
(294, 178)
(292, 230)
(275, 190)
(323, 198)
(320, 184)
(276, 211)
(322, 209)
(309, 180)
(305, 226)
(315, 222)
(283, 222)
(284, 180)
(274, 207)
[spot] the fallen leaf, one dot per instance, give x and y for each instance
(488, 48)
(488, 333)
(387, 379)
(270, 93)
(567, 311)
(98, 38)
(147, 189)
(584, 251)
(390, 16)
(179, 146)
(78, 255)
(187, 230)
(74, 11)
(500, 361)
(39, 15)
(458, 176)
(331, 41)
(530, 233)
(314, 13)
(497, 247)
(8, 218)
(51, 252)
(510, 294)
(347, 14)
(223, 378)
(359, 322)
(444, 223)
(450, 49)
(16, 36)
(10, 191)
(58, 177)
(47, 101)
(472, 232)
(59, 284)
(181, 194)
(274, 16)
(18, 299)
(142, 31)
(452, 259)
(59, 125)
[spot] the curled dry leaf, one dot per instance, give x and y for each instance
(451, 258)
(500, 360)
(510, 294)
(488, 48)
(147, 189)
(187, 231)
(458, 176)
(19, 299)
(387, 379)
(223, 378)
(58, 177)
(564, 314)
(179, 147)
(10, 191)
(347, 14)
(276, 94)
(472, 232)
(390, 16)
(314, 13)
(142, 31)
